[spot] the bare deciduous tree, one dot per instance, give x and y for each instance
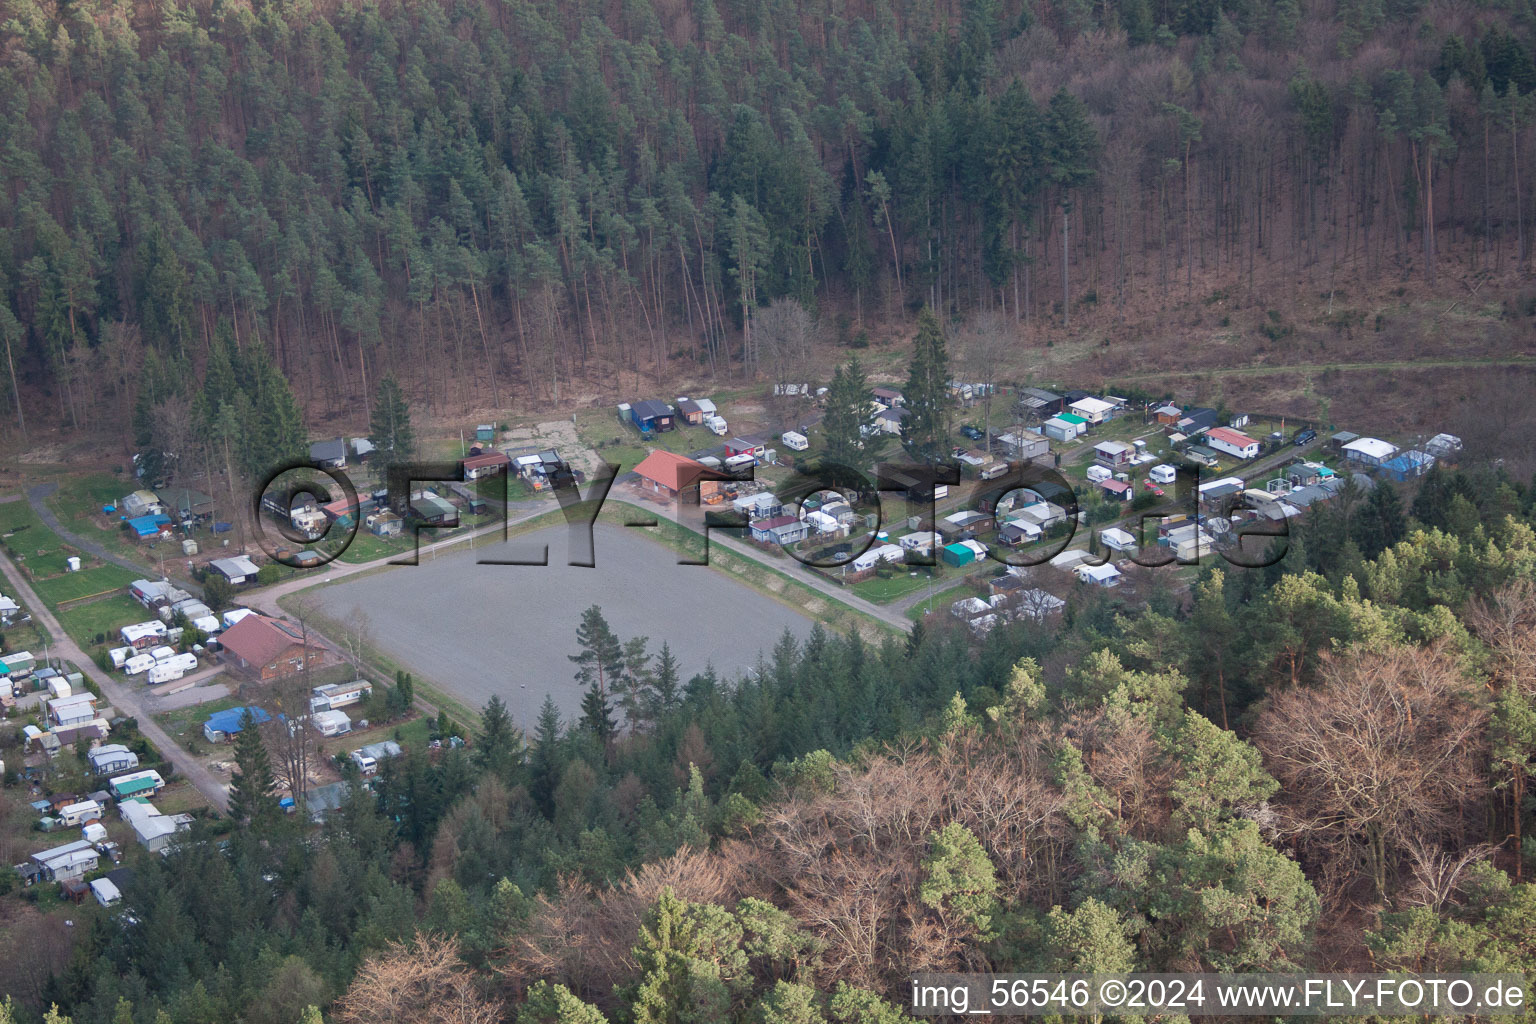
(785, 334)
(421, 983)
(1437, 873)
(290, 739)
(984, 345)
(358, 636)
(1385, 752)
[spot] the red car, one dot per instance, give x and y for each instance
(1149, 485)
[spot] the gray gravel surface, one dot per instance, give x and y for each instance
(477, 630)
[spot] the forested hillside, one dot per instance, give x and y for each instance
(518, 199)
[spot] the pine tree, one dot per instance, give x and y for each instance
(599, 669)
(389, 427)
(1382, 523)
(251, 796)
(690, 962)
(848, 405)
(497, 745)
(960, 880)
(555, 1004)
(597, 715)
(1072, 153)
(664, 684)
(544, 766)
(925, 431)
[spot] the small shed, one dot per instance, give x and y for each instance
(1105, 575)
(1119, 490)
(651, 416)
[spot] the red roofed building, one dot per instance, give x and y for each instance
(268, 649)
(488, 464)
(1232, 442)
(667, 475)
(1118, 489)
(342, 510)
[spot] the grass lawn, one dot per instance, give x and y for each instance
(882, 591)
(179, 797)
(78, 503)
(26, 637)
(415, 733)
(90, 491)
(940, 600)
(16, 514)
(28, 539)
(71, 586)
(365, 547)
(106, 616)
(187, 723)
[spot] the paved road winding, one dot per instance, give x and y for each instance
(125, 698)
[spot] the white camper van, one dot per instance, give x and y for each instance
(795, 441)
(172, 668)
(716, 425)
(137, 664)
(120, 656)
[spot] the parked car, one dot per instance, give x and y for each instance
(1149, 485)
(1306, 437)
(972, 433)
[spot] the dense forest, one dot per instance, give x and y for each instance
(1151, 788)
(518, 199)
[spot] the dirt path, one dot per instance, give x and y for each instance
(124, 698)
(1259, 371)
(35, 498)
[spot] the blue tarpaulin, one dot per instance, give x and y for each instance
(228, 722)
(148, 526)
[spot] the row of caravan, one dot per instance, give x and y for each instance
(162, 664)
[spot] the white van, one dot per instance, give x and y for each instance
(162, 653)
(120, 656)
(138, 663)
(716, 425)
(795, 441)
(739, 462)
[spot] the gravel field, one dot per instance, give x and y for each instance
(475, 630)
